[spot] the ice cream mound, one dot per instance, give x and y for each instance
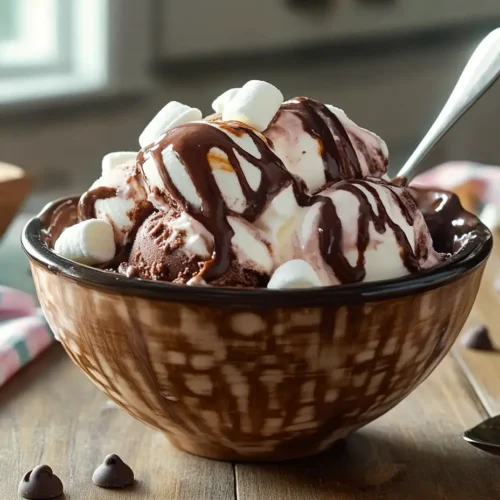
(262, 193)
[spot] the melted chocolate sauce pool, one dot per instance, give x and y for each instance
(193, 142)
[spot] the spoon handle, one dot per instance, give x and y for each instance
(479, 75)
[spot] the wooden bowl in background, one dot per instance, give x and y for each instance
(15, 184)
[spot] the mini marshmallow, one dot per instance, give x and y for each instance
(220, 103)
(113, 160)
(197, 281)
(89, 242)
(294, 274)
(255, 104)
(172, 115)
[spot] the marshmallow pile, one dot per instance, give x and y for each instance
(263, 193)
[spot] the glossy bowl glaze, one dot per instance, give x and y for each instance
(257, 374)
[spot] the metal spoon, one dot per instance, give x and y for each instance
(485, 436)
(480, 73)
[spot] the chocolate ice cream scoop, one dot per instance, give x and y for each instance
(368, 230)
(177, 249)
(40, 484)
(113, 473)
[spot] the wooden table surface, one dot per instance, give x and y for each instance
(50, 413)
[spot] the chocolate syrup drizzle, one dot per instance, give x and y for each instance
(56, 219)
(193, 141)
(330, 230)
(339, 156)
(341, 163)
(86, 207)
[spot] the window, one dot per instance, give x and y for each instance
(54, 48)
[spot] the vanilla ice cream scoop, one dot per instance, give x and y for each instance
(364, 230)
(228, 154)
(318, 143)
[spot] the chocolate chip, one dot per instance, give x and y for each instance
(40, 484)
(478, 338)
(113, 473)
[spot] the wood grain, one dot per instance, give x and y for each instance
(14, 186)
(50, 413)
(415, 452)
(483, 368)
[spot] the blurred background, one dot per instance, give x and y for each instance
(80, 78)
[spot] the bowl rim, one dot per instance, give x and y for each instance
(477, 254)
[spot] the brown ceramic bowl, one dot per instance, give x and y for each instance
(259, 374)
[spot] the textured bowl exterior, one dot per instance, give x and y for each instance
(254, 382)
